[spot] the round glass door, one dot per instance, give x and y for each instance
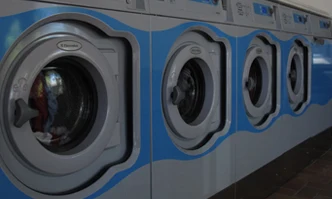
(293, 75)
(296, 74)
(255, 82)
(190, 94)
(191, 84)
(59, 110)
(66, 101)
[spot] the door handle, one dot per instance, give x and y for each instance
(23, 113)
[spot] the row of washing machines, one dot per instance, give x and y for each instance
(155, 98)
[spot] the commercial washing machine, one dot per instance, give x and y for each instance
(258, 84)
(193, 98)
(296, 75)
(74, 88)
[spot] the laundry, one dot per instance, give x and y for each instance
(38, 101)
(57, 136)
(52, 106)
(46, 103)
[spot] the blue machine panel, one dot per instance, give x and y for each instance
(211, 2)
(261, 9)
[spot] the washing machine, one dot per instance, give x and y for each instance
(297, 41)
(74, 86)
(258, 84)
(193, 78)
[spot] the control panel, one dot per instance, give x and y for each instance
(203, 10)
(263, 10)
(258, 13)
(293, 20)
(140, 6)
(320, 26)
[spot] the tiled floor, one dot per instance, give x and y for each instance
(314, 182)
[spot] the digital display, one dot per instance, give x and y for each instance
(263, 10)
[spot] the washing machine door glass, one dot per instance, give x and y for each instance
(292, 74)
(295, 73)
(64, 96)
(189, 94)
(255, 81)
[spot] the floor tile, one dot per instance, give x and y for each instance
(285, 191)
(296, 184)
(307, 193)
(279, 196)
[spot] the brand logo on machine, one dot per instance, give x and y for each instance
(259, 51)
(69, 45)
(195, 50)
